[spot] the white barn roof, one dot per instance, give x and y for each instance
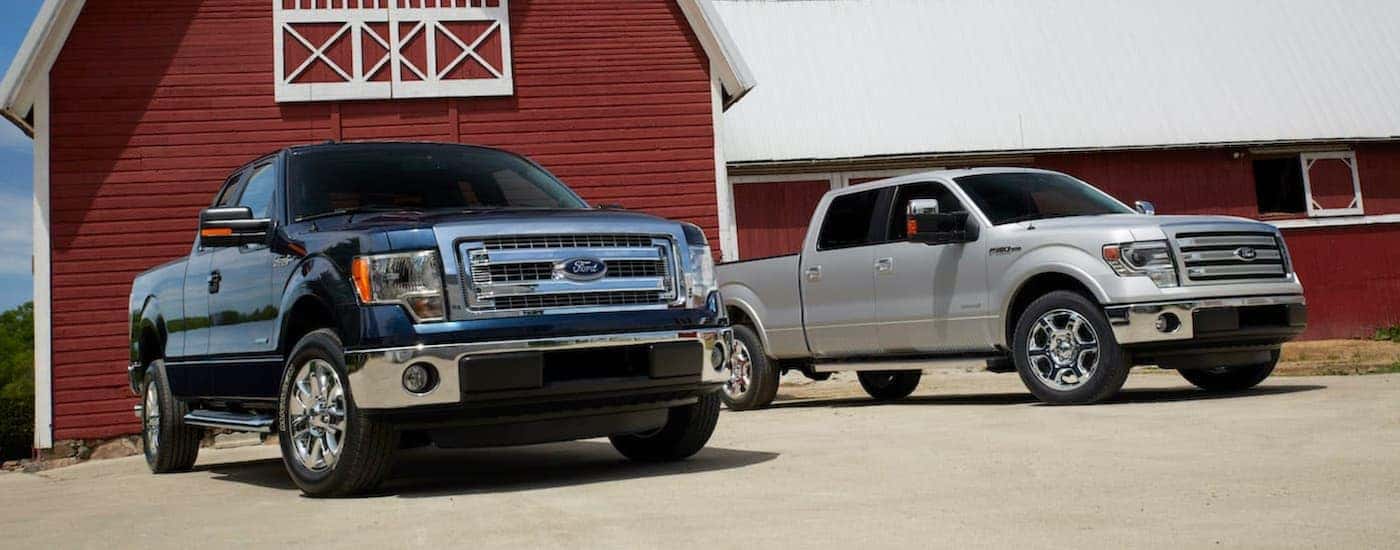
(853, 78)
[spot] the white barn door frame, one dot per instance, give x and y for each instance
(385, 49)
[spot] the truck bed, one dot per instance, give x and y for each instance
(779, 309)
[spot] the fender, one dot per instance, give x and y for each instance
(1055, 258)
(148, 317)
(317, 278)
(749, 310)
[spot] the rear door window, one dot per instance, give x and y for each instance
(848, 221)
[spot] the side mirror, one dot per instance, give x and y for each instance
(233, 226)
(1145, 208)
(926, 224)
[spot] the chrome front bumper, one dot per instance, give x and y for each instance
(1137, 323)
(376, 376)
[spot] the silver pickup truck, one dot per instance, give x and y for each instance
(1027, 270)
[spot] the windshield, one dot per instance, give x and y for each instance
(1024, 196)
(418, 177)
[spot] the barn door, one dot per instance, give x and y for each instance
(382, 49)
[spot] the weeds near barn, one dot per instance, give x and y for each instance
(1389, 334)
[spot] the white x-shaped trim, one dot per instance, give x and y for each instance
(468, 51)
(317, 52)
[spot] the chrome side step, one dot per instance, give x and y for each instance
(242, 422)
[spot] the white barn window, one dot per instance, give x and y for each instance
(380, 49)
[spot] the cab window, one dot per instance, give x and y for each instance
(257, 192)
(847, 221)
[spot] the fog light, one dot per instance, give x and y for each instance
(420, 378)
(1168, 323)
(719, 356)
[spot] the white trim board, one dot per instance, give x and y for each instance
(724, 192)
(28, 72)
(1337, 221)
(43, 303)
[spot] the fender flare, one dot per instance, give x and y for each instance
(309, 281)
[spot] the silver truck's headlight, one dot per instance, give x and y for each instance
(411, 279)
(1152, 259)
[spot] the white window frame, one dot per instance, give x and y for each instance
(355, 18)
(1355, 208)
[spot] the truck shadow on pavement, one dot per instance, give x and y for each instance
(431, 472)
(1125, 397)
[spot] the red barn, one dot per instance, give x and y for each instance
(140, 108)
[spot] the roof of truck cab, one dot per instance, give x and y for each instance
(946, 175)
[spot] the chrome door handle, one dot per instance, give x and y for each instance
(884, 265)
(814, 273)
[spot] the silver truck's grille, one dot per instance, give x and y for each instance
(1226, 256)
(528, 273)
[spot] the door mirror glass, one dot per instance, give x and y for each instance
(1145, 207)
(926, 224)
(231, 226)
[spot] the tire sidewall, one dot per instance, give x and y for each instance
(1113, 365)
(325, 345)
(154, 377)
(762, 375)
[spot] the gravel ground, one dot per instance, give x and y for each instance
(969, 461)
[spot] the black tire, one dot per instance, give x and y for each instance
(763, 373)
(687, 430)
(889, 385)
(1112, 366)
(175, 445)
(1231, 379)
(367, 445)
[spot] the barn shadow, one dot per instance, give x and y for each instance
(1125, 397)
(430, 472)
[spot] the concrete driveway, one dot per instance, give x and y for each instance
(969, 461)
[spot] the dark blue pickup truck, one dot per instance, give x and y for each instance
(354, 298)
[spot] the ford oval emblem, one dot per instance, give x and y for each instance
(583, 269)
(1246, 253)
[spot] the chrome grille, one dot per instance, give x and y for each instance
(567, 241)
(1226, 256)
(525, 274)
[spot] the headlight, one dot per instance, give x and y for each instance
(700, 268)
(1152, 259)
(413, 280)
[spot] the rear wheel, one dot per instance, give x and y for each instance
(1065, 351)
(888, 385)
(1231, 379)
(329, 447)
(687, 430)
(753, 378)
(169, 444)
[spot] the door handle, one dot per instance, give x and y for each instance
(214, 279)
(814, 273)
(884, 265)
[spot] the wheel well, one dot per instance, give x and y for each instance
(1036, 287)
(149, 345)
(306, 315)
(738, 317)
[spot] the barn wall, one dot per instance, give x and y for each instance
(156, 101)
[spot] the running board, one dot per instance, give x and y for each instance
(241, 422)
(971, 361)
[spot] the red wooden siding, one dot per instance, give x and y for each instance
(1350, 278)
(772, 217)
(156, 101)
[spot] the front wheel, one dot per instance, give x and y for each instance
(329, 446)
(687, 429)
(889, 385)
(1231, 379)
(1065, 351)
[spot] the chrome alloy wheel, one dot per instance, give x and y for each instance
(740, 371)
(316, 414)
(151, 410)
(1063, 349)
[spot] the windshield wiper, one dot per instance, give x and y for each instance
(357, 210)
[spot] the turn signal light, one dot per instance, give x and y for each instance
(359, 274)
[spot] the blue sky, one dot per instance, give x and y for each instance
(16, 173)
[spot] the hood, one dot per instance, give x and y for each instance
(1142, 226)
